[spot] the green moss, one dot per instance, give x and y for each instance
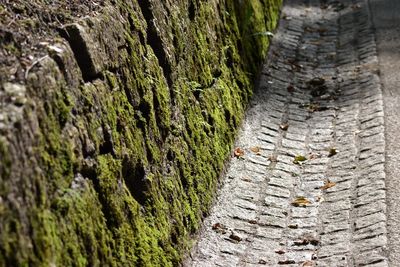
(5, 166)
(128, 163)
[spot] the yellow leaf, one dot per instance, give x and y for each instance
(299, 159)
(301, 202)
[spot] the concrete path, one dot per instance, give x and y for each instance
(307, 184)
(386, 19)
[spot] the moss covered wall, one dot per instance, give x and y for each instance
(112, 144)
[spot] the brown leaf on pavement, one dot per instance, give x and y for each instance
(262, 262)
(273, 158)
(306, 241)
(235, 237)
(219, 228)
(317, 81)
(328, 184)
(280, 251)
(301, 202)
(255, 149)
(332, 152)
(238, 152)
(284, 126)
(312, 156)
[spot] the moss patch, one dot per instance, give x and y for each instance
(119, 168)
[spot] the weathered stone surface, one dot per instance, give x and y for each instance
(115, 123)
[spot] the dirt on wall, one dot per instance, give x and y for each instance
(116, 118)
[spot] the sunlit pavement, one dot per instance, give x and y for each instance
(306, 185)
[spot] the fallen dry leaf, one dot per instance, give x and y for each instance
(235, 237)
(319, 199)
(317, 81)
(255, 149)
(280, 251)
(312, 156)
(284, 126)
(253, 221)
(247, 179)
(299, 159)
(328, 184)
(332, 152)
(262, 262)
(290, 88)
(301, 202)
(219, 228)
(273, 158)
(238, 152)
(306, 241)
(313, 107)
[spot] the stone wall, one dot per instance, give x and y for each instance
(113, 139)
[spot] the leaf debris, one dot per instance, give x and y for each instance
(280, 251)
(273, 158)
(262, 262)
(299, 159)
(328, 184)
(256, 149)
(332, 151)
(235, 237)
(219, 228)
(238, 152)
(284, 126)
(306, 241)
(301, 202)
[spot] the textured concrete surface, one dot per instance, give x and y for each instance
(306, 184)
(386, 18)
